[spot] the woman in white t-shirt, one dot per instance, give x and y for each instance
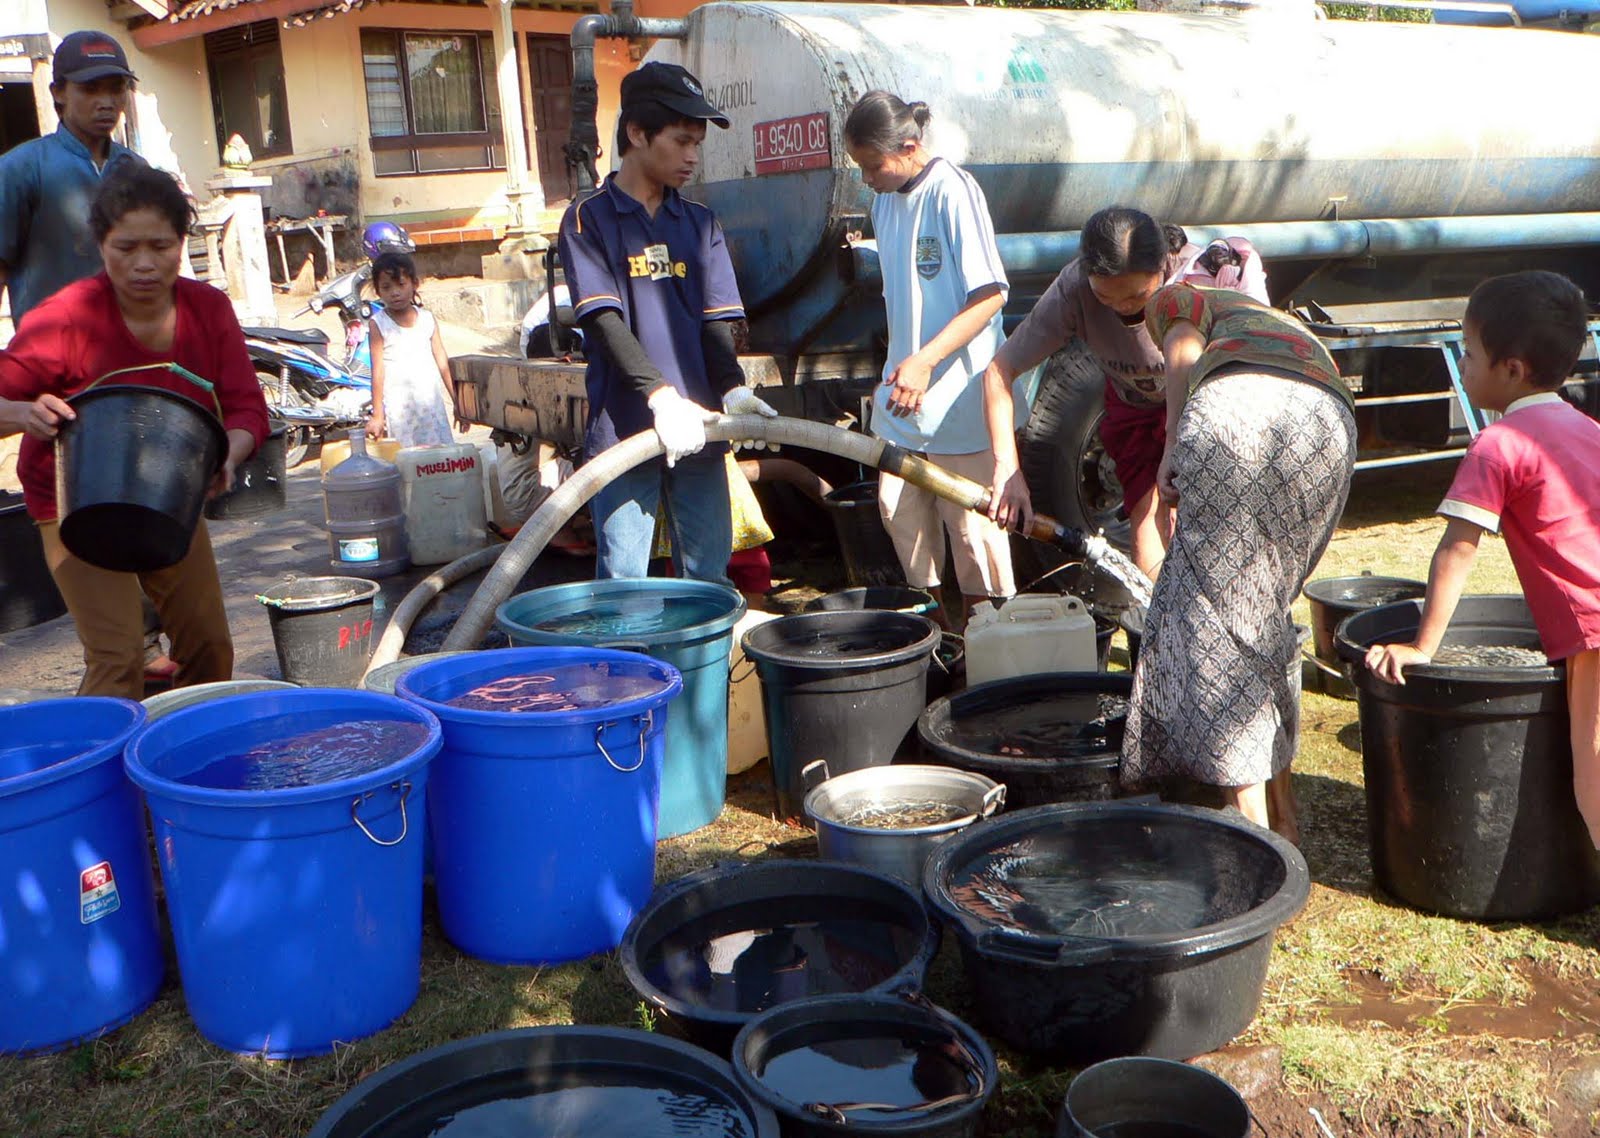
(944, 287)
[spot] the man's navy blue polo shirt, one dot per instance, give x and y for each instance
(46, 187)
(667, 275)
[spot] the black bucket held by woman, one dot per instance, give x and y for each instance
(132, 471)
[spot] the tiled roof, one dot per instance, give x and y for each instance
(193, 9)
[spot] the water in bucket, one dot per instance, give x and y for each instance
(897, 1067)
(565, 687)
(755, 965)
(634, 616)
(1048, 726)
(609, 1108)
(343, 750)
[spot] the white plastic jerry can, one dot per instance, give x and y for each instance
(1027, 635)
(444, 506)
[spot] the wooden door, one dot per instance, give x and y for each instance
(550, 68)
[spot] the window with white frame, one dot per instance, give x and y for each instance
(432, 104)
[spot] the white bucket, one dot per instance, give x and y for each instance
(747, 718)
(443, 490)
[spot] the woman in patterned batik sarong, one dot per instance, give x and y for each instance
(1260, 447)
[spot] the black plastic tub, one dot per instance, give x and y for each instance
(842, 686)
(1470, 809)
(260, 485)
(552, 1080)
(1104, 629)
(1333, 599)
(1096, 930)
(867, 549)
(894, 598)
(866, 1065)
(1082, 771)
(717, 947)
(948, 671)
(131, 476)
(1138, 1095)
(28, 594)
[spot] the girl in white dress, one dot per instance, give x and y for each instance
(410, 371)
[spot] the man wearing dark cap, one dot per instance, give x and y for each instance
(653, 290)
(46, 185)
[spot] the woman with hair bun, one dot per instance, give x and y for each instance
(944, 287)
(1125, 256)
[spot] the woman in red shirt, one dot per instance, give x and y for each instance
(138, 311)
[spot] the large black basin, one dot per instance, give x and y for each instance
(552, 1080)
(715, 948)
(1468, 772)
(1100, 929)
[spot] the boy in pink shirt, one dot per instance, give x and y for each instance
(1534, 476)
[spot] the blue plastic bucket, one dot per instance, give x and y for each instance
(697, 640)
(80, 947)
(297, 910)
(544, 822)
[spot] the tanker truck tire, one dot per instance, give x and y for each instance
(1068, 472)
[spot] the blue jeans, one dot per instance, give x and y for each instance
(699, 520)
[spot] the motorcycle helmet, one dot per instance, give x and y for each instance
(386, 237)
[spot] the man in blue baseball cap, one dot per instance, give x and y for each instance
(46, 184)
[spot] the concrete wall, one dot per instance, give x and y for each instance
(170, 120)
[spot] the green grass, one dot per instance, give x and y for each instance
(1426, 1073)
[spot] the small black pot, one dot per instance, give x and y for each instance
(1149, 1094)
(852, 1025)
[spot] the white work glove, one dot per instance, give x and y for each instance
(743, 401)
(680, 424)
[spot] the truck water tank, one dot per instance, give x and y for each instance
(1571, 12)
(1196, 119)
(443, 493)
(365, 517)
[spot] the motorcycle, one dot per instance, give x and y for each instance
(344, 294)
(314, 395)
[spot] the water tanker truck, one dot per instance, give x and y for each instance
(1381, 169)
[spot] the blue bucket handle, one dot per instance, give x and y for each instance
(646, 721)
(404, 789)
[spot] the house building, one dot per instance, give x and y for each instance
(407, 112)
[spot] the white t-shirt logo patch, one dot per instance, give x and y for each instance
(930, 257)
(659, 261)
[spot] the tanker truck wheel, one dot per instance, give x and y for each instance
(1069, 474)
